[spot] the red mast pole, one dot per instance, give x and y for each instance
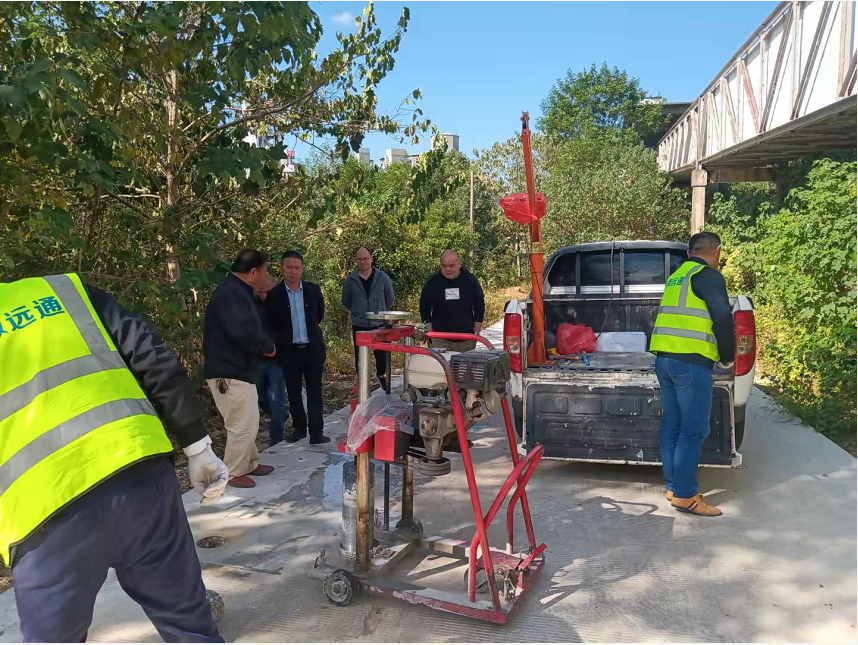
(536, 351)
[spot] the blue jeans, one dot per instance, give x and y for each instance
(271, 388)
(686, 402)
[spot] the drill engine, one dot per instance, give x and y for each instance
(481, 378)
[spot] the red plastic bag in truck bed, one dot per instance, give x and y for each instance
(516, 208)
(575, 339)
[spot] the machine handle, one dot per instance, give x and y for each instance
(521, 475)
(445, 335)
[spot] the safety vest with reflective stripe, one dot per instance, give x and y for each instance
(683, 324)
(71, 412)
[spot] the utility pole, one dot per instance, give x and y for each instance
(472, 215)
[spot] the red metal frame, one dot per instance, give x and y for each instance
(523, 469)
(536, 352)
(446, 335)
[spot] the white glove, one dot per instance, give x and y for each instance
(208, 474)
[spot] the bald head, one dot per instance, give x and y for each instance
(451, 264)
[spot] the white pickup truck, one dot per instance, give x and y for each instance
(609, 411)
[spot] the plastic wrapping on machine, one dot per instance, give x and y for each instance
(516, 208)
(380, 413)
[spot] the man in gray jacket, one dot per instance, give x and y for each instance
(367, 289)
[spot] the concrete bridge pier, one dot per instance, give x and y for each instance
(699, 182)
(705, 182)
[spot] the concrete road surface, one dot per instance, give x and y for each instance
(621, 564)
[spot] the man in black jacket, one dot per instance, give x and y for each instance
(452, 300)
(295, 309)
(134, 521)
(234, 341)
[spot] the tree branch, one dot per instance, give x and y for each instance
(141, 195)
(254, 117)
(129, 204)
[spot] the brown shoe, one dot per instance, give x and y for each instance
(261, 469)
(695, 505)
(243, 481)
(669, 495)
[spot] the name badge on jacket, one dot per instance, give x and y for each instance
(451, 294)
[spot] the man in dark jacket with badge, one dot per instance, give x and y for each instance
(452, 301)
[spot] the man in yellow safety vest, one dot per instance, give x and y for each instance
(86, 479)
(693, 331)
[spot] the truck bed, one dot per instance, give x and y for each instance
(607, 362)
(610, 411)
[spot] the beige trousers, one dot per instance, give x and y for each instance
(239, 407)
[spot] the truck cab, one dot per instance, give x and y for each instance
(608, 410)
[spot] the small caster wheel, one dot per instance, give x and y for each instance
(340, 586)
(216, 604)
(482, 581)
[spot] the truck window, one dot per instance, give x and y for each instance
(562, 272)
(676, 260)
(643, 268)
(596, 272)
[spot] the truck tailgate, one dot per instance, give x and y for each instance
(610, 412)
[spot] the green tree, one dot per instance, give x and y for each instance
(807, 291)
(604, 188)
(599, 187)
(598, 99)
(796, 255)
(123, 126)
(738, 214)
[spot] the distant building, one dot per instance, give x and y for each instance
(413, 160)
(452, 141)
(363, 156)
(394, 155)
(268, 141)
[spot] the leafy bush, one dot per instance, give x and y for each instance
(799, 262)
(608, 187)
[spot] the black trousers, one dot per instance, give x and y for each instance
(135, 523)
(303, 363)
(380, 357)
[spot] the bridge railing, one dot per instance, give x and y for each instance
(800, 60)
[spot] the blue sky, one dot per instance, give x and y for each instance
(479, 64)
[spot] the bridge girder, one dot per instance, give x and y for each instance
(789, 92)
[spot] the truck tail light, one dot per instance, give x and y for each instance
(746, 341)
(512, 340)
